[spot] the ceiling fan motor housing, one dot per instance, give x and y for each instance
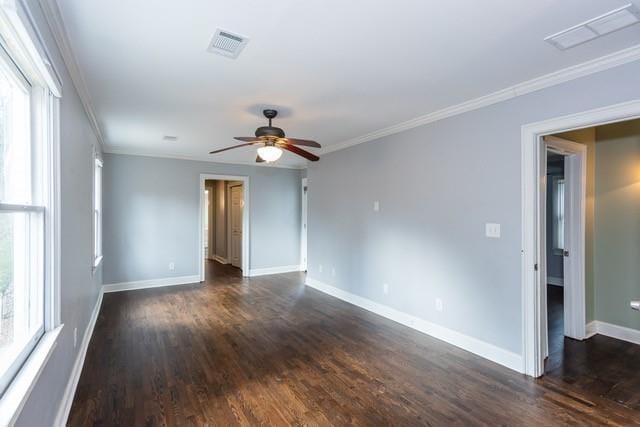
(270, 131)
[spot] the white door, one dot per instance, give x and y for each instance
(542, 250)
(303, 231)
(205, 215)
(237, 204)
(575, 167)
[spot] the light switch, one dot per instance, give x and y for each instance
(376, 206)
(492, 230)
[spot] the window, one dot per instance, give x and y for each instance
(97, 212)
(22, 212)
(558, 214)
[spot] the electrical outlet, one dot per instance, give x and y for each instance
(75, 337)
(439, 306)
(320, 268)
(385, 288)
(376, 206)
(172, 266)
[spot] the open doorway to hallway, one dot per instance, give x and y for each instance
(605, 360)
(223, 227)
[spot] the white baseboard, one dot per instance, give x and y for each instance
(273, 270)
(220, 259)
(154, 283)
(465, 342)
(70, 389)
(614, 331)
(556, 281)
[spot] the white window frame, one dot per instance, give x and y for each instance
(23, 44)
(97, 210)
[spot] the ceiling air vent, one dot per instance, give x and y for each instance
(609, 22)
(227, 44)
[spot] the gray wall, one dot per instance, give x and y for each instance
(151, 216)
(617, 243)
(79, 288)
(437, 186)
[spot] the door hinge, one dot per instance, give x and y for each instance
(535, 267)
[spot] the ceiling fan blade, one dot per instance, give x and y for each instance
(229, 148)
(247, 138)
(259, 159)
(300, 152)
(305, 142)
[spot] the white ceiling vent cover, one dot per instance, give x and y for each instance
(609, 22)
(227, 44)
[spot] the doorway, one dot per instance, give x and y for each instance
(223, 226)
(562, 219)
(535, 146)
(303, 226)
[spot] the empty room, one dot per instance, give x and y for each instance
(319, 213)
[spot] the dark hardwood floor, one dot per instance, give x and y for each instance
(605, 366)
(267, 350)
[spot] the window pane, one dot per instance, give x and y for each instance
(21, 286)
(15, 150)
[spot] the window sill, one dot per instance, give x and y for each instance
(16, 395)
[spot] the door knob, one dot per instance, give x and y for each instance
(635, 305)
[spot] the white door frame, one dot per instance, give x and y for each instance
(575, 173)
(245, 220)
(532, 305)
(303, 224)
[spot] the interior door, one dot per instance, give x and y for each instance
(574, 234)
(303, 231)
(237, 205)
(542, 250)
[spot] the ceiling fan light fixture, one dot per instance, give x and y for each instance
(269, 153)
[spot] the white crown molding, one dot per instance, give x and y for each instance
(127, 152)
(56, 24)
(606, 62)
(624, 56)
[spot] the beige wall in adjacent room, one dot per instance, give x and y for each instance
(617, 223)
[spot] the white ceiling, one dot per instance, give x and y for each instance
(336, 69)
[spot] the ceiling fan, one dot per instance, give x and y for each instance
(272, 141)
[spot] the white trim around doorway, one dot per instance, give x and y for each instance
(532, 307)
(245, 220)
